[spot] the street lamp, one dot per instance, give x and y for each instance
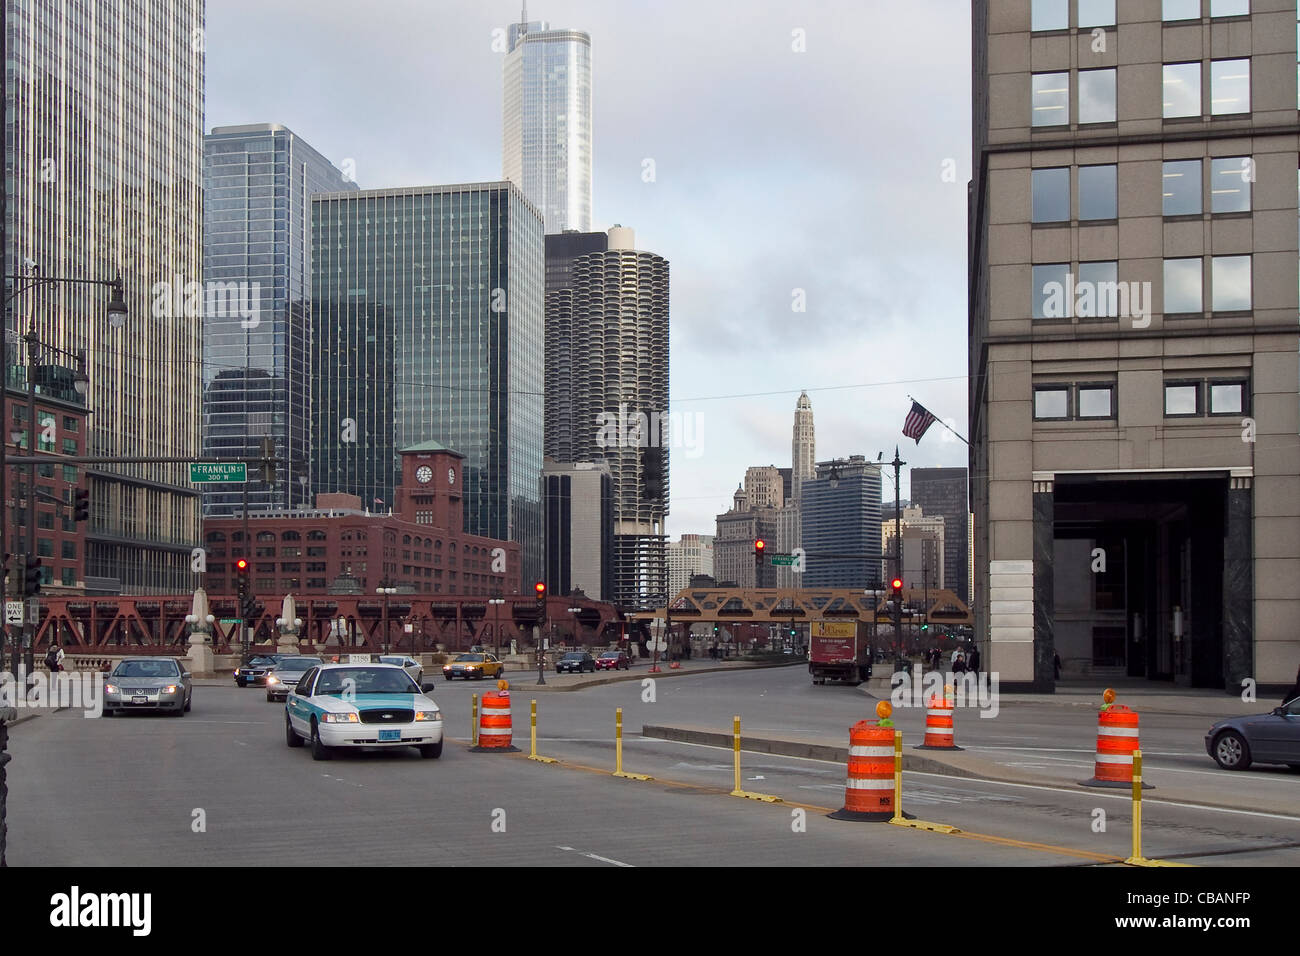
(385, 591)
(577, 625)
(496, 603)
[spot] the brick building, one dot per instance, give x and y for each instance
(343, 544)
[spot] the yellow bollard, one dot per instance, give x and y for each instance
(618, 749)
(473, 719)
(900, 818)
(533, 751)
(1137, 859)
(738, 792)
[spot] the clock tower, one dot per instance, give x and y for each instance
(430, 491)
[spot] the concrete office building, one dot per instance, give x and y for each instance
(1134, 415)
(579, 501)
(689, 556)
(942, 492)
(803, 445)
(546, 121)
(427, 323)
(922, 565)
(105, 179)
(257, 186)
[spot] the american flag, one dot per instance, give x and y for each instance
(918, 420)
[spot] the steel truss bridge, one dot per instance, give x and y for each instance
(938, 606)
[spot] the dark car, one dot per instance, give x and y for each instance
(575, 662)
(254, 672)
(283, 677)
(612, 661)
(1274, 737)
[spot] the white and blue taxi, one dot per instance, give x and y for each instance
(338, 706)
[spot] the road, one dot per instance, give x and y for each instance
(133, 790)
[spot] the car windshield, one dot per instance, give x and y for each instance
(366, 680)
(471, 658)
(574, 657)
(609, 655)
(146, 669)
(299, 664)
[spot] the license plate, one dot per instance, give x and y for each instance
(390, 735)
(139, 700)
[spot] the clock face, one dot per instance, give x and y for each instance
(451, 475)
(424, 474)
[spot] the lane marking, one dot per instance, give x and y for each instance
(593, 856)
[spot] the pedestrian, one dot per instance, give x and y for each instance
(975, 661)
(54, 657)
(1056, 665)
(959, 664)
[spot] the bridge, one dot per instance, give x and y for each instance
(782, 605)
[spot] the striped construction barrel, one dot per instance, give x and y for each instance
(869, 789)
(1117, 738)
(494, 726)
(939, 728)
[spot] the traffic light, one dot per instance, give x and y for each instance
(17, 576)
(244, 591)
(792, 632)
(81, 505)
(6, 565)
(715, 629)
(540, 589)
(896, 588)
(925, 627)
(759, 547)
(32, 575)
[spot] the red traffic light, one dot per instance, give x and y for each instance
(896, 584)
(241, 564)
(759, 545)
(540, 588)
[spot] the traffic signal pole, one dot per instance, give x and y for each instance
(898, 554)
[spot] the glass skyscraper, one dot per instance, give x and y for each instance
(840, 515)
(427, 307)
(546, 128)
(258, 182)
(105, 106)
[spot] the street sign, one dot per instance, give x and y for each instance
(13, 612)
(783, 560)
(207, 473)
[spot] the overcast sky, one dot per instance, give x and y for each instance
(775, 170)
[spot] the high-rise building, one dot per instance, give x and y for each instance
(427, 318)
(579, 501)
(840, 518)
(562, 250)
(105, 179)
(803, 445)
(546, 121)
(612, 338)
(689, 556)
(924, 538)
(733, 544)
(1134, 416)
(942, 492)
(257, 184)
(764, 486)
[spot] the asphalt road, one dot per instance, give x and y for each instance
(132, 790)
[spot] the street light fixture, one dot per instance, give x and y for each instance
(496, 603)
(386, 592)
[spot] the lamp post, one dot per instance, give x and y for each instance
(386, 591)
(496, 603)
(117, 312)
(577, 625)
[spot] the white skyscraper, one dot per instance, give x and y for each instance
(803, 447)
(546, 121)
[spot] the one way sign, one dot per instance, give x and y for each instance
(13, 612)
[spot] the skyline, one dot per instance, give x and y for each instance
(871, 295)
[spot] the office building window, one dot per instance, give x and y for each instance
(1181, 183)
(1097, 96)
(1051, 194)
(1229, 87)
(70, 550)
(1182, 286)
(1050, 15)
(68, 577)
(69, 423)
(1182, 10)
(1230, 283)
(70, 474)
(1098, 290)
(1182, 399)
(1096, 13)
(45, 547)
(1229, 8)
(1098, 192)
(1096, 401)
(1051, 402)
(1227, 398)
(1051, 99)
(1049, 292)
(1182, 90)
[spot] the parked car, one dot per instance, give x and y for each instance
(1274, 737)
(346, 706)
(284, 676)
(408, 664)
(575, 662)
(612, 661)
(475, 666)
(254, 672)
(148, 683)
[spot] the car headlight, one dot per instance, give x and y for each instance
(110, 688)
(348, 718)
(428, 715)
(171, 689)
(446, 667)
(272, 679)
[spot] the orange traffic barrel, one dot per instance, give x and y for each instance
(1117, 738)
(869, 789)
(495, 732)
(939, 729)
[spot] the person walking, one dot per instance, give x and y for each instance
(975, 661)
(1056, 664)
(959, 664)
(54, 657)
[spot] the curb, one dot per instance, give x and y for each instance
(663, 673)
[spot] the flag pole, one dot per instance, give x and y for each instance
(938, 419)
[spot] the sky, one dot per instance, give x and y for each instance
(810, 152)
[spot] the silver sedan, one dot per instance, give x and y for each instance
(148, 683)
